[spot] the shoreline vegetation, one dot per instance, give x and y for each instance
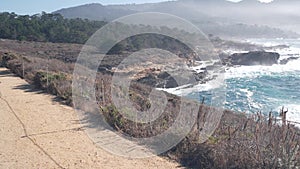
(240, 140)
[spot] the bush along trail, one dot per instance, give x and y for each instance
(240, 141)
(38, 132)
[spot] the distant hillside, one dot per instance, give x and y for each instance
(94, 12)
(246, 19)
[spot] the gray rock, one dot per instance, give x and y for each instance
(285, 61)
(254, 58)
(165, 80)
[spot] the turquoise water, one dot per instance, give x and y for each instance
(262, 88)
(263, 93)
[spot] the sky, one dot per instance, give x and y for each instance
(37, 6)
(30, 7)
(265, 1)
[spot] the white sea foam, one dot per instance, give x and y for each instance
(291, 68)
(202, 64)
(235, 72)
(255, 71)
(232, 51)
(286, 53)
(292, 49)
(191, 88)
(249, 93)
(268, 42)
(188, 89)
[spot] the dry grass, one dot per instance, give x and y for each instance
(239, 141)
(243, 142)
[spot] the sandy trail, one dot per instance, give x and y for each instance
(37, 132)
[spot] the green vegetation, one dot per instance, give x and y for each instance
(243, 142)
(55, 83)
(54, 28)
(35, 70)
(47, 28)
(238, 142)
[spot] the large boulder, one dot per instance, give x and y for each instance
(254, 58)
(162, 80)
(166, 80)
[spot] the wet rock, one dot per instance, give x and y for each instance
(166, 80)
(254, 58)
(285, 61)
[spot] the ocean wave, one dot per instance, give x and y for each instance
(201, 65)
(256, 71)
(191, 88)
(274, 42)
(253, 88)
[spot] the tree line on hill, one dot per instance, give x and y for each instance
(47, 27)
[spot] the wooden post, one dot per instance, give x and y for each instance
(270, 120)
(47, 76)
(23, 69)
(103, 92)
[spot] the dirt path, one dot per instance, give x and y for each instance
(37, 132)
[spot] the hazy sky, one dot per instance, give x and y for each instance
(37, 6)
(266, 1)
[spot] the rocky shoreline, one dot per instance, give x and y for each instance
(161, 79)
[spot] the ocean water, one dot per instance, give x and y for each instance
(257, 88)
